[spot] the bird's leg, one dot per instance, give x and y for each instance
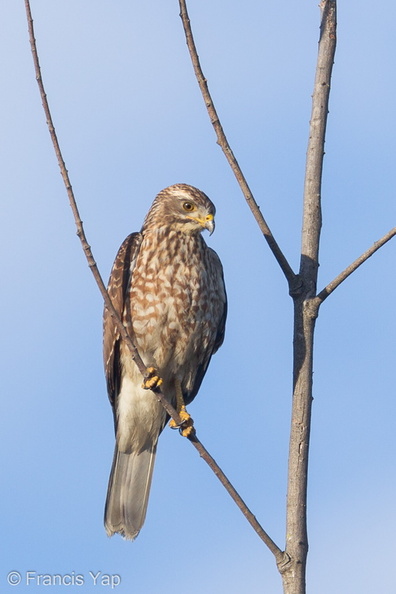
(151, 379)
(186, 427)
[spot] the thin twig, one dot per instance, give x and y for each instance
(79, 224)
(352, 267)
(121, 328)
(223, 143)
(279, 555)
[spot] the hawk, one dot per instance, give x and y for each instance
(167, 286)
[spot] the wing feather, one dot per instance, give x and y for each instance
(118, 288)
(218, 268)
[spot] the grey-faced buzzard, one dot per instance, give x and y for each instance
(167, 286)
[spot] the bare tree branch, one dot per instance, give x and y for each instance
(312, 216)
(291, 277)
(305, 313)
(352, 267)
(121, 328)
(73, 204)
(313, 178)
(275, 550)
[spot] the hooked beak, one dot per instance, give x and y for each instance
(209, 223)
(206, 222)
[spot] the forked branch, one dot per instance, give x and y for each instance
(293, 574)
(121, 328)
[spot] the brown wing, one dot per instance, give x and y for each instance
(117, 288)
(217, 266)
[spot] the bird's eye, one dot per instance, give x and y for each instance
(188, 206)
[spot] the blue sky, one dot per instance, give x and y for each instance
(131, 121)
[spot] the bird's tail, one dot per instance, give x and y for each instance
(128, 491)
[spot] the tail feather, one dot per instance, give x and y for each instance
(128, 492)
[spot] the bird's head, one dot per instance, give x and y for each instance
(181, 208)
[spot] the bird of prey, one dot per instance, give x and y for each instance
(167, 286)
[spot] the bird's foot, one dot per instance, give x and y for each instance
(151, 379)
(186, 427)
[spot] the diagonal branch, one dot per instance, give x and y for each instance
(79, 224)
(352, 267)
(121, 328)
(223, 143)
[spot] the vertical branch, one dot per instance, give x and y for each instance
(305, 313)
(312, 217)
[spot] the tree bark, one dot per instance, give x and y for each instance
(293, 572)
(306, 308)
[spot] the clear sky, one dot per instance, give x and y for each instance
(131, 121)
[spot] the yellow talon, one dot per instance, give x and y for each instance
(183, 414)
(186, 427)
(151, 381)
(188, 431)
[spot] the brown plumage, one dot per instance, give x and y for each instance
(168, 287)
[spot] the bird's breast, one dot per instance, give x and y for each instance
(170, 299)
